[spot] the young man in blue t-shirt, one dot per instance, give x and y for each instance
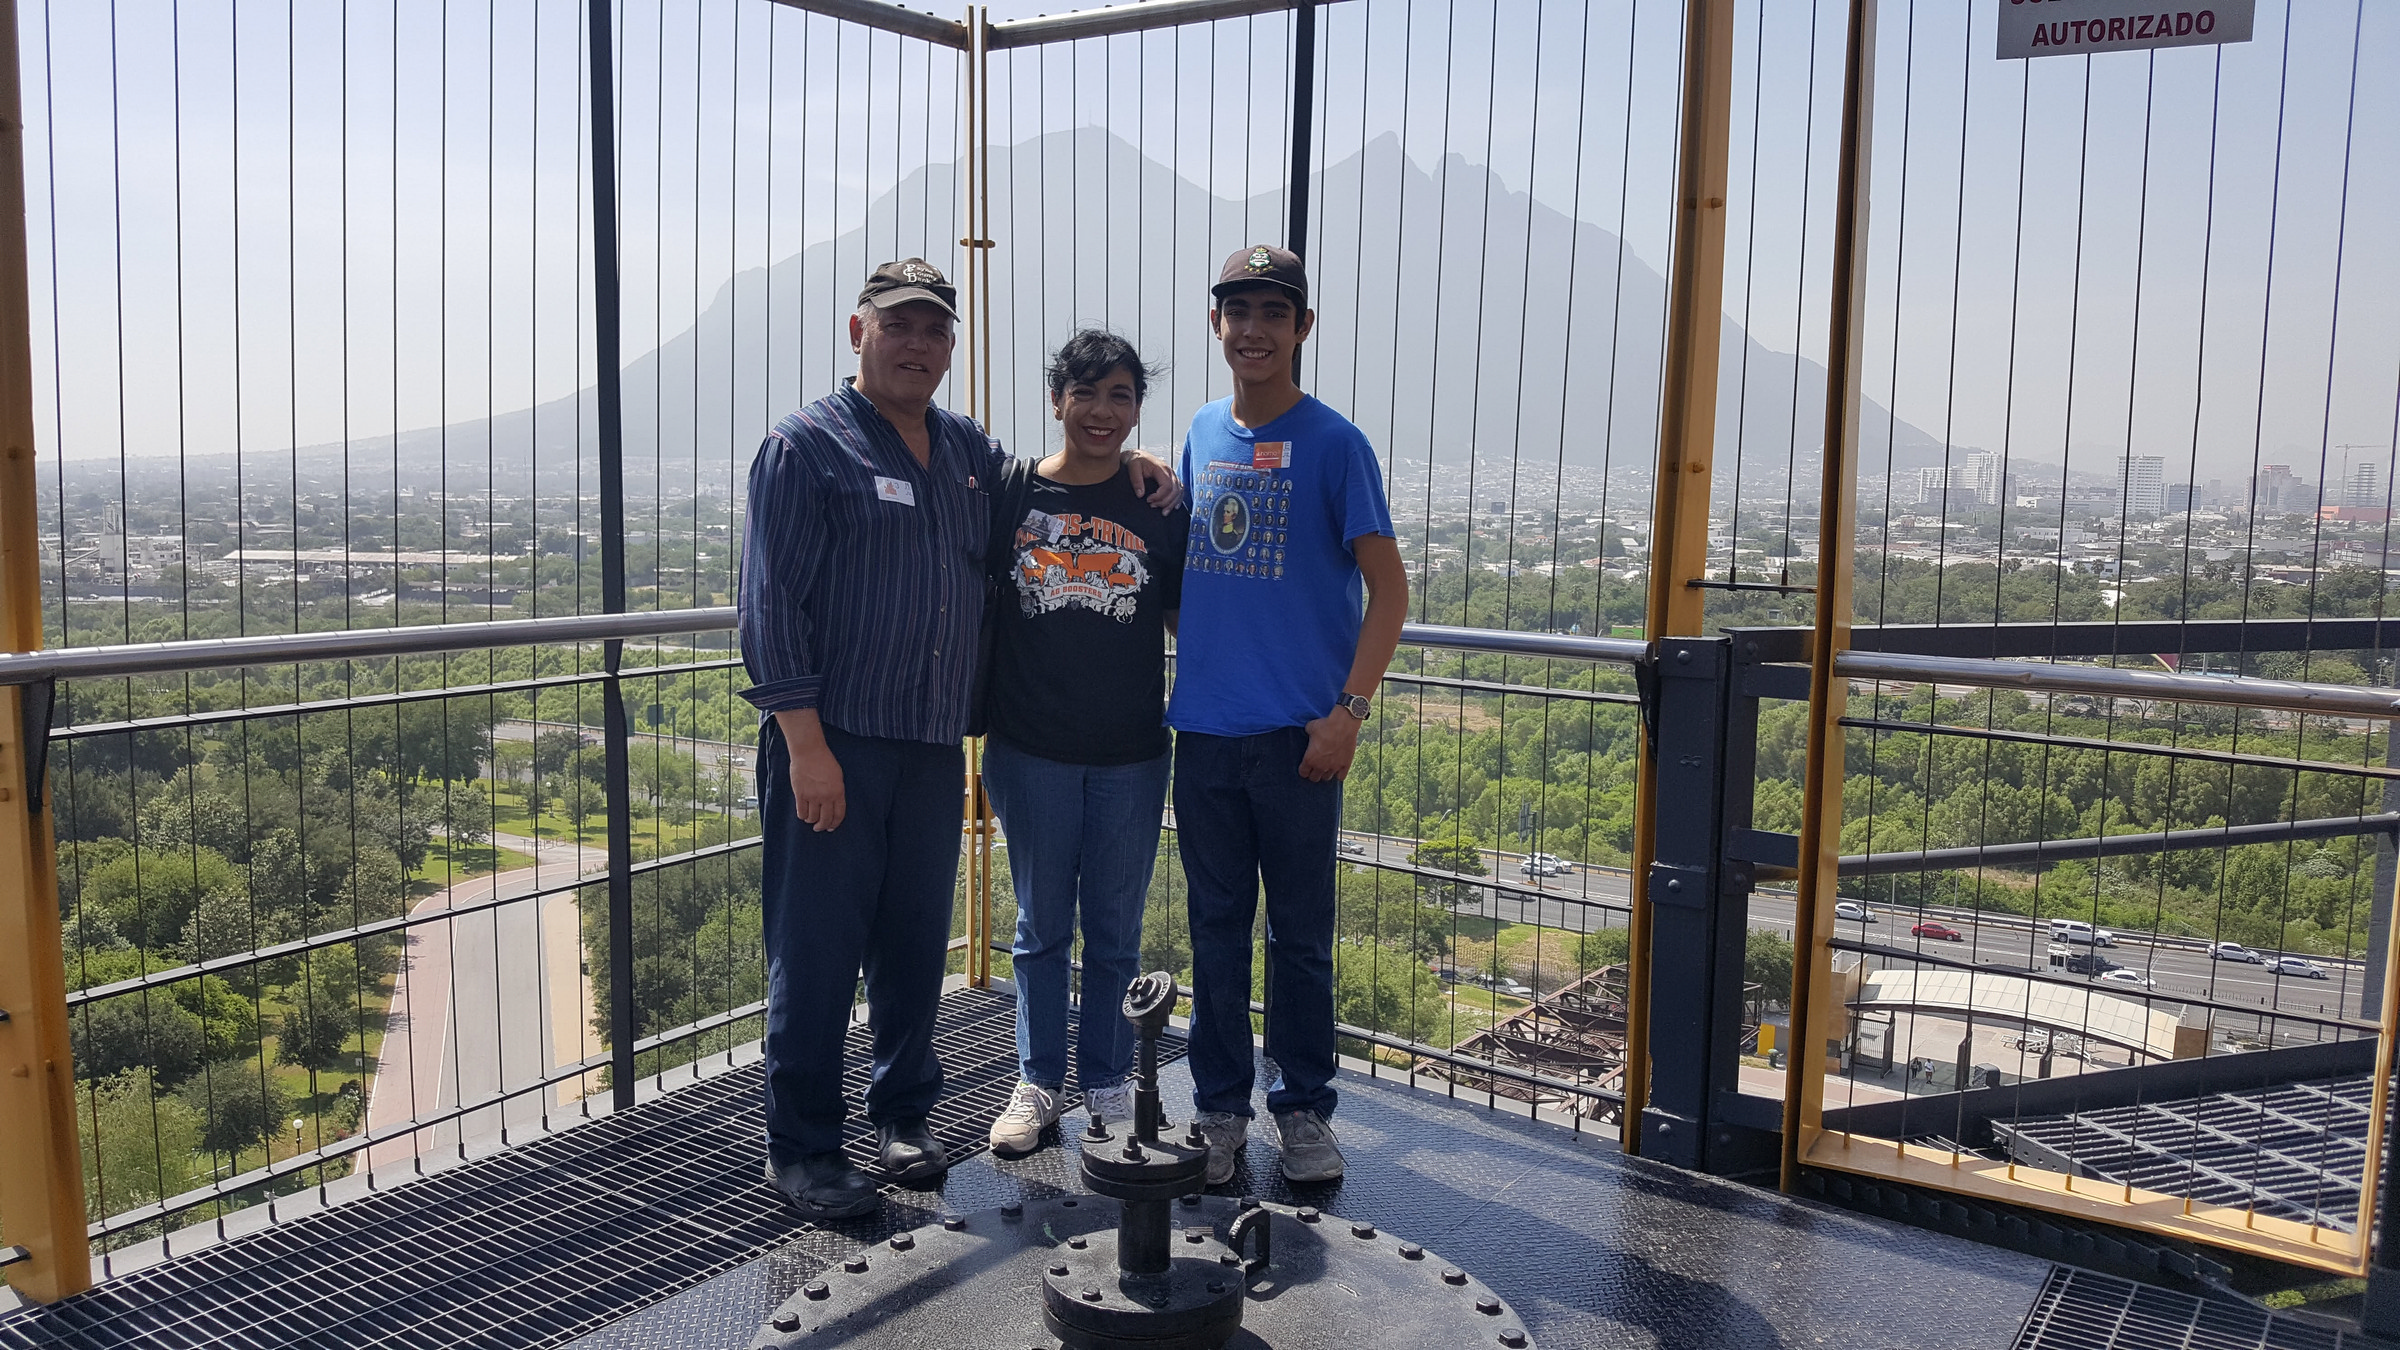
(1275, 668)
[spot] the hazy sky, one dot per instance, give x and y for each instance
(393, 191)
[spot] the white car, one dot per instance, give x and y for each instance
(2234, 951)
(1352, 847)
(1545, 865)
(2293, 965)
(2077, 931)
(1851, 909)
(2121, 975)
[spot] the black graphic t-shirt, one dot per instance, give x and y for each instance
(1079, 660)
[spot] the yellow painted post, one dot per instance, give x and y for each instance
(1687, 438)
(1816, 1012)
(41, 1161)
(975, 333)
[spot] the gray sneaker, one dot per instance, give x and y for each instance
(1227, 1135)
(1308, 1151)
(1112, 1105)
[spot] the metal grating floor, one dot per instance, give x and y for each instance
(532, 1247)
(2079, 1310)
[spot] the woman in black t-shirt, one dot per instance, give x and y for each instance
(1077, 755)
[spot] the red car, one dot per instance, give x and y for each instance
(1930, 929)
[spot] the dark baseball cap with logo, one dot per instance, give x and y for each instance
(898, 283)
(1262, 265)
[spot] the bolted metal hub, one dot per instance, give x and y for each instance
(969, 1280)
(1195, 1304)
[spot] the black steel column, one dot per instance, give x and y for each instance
(1304, 110)
(1687, 1035)
(623, 1023)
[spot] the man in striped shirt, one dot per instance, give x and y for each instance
(861, 604)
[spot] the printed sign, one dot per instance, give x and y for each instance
(2079, 27)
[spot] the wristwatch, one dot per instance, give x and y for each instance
(1357, 705)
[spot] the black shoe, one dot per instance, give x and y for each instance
(825, 1186)
(909, 1154)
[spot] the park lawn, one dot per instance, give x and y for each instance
(313, 1108)
(653, 836)
(444, 865)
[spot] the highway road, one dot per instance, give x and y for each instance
(477, 1007)
(1589, 898)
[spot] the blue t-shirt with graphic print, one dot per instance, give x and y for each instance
(1272, 597)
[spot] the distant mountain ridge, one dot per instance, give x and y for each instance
(1457, 316)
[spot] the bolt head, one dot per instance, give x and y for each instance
(856, 1265)
(903, 1241)
(1195, 1235)
(955, 1223)
(1512, 1337)
(1362, 1230)
(1058, 1267)
(1192, 1200)
(1090, 1294)
(1489, 1307)
(1014, 1209)
(1078, 1243)
(1249, 1202)
(787, 1321)
(1411, 1251)
(1308, 1214)
(817, 1290)
(1228, 1259)
(1453, 1275)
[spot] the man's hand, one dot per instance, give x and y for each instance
(1154, 479)
(1332, 745)
(817, 793)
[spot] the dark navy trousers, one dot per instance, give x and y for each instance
(873, 895)
(1243, 816)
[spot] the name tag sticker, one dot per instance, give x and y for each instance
(1043, 525)
(1271, 455)
(895, 490)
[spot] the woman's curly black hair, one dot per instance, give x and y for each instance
(1090, 355)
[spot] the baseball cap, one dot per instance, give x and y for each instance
(897, 283)
(1262, 263)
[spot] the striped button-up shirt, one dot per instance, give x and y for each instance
(862, 580)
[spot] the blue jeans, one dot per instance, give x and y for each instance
(872, 895)
(1243, 814)
(1080, 837)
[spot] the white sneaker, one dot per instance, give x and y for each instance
(1030, 1111)
(1227, 1135)
(1111, 1105)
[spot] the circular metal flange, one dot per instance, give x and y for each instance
(978, 1286)
(1091, 1304)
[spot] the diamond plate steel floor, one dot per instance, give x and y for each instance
(653, 1228)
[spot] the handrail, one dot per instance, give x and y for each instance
(2324, 700)
(1505, 642)
(272, 649)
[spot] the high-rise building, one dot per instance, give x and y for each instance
(2145, 478)
(1986, 474)
(2364, 489)
(2277, 489)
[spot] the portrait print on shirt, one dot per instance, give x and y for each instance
(1241, 529)
(1089, 562)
